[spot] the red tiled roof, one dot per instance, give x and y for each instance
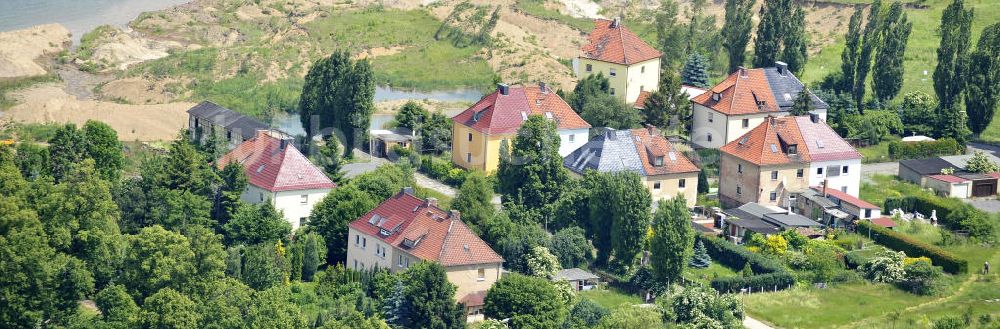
(656, 145)
(616, 45)
(949, 178)
(502, 114)
(766, 144)
(844, 197)
(994, 175)
(425, 231)
(275, 167)
(741, 93)
(474, 299)
(640, 102)
(884, 222)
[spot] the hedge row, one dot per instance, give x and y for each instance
(443, 171)
(914, 248)
(769, 273)
(952, 213)
(915, 150)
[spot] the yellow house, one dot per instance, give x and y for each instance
(665, 171)
(478, 131)
(631, 65)
(405, 230)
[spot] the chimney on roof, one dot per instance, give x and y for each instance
(503, 88)
(782, 67)
(431, 202)
(814, 117)
(406, 190)
(826, 182)
(743, 72)
(541, 87)
(454, 215)
(617, 21)
(651, 130)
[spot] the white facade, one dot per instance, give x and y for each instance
(572, 139)
(295, 205)
(843, 175)
(713, 129)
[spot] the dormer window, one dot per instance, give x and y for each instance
(658, 162)
(716, 96)
(793, 149)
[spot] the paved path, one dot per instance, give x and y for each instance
(751, 323)
(433, 184)
(881, 168)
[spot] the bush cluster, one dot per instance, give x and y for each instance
(443, 171)
(914, 248)
(769, 273)
(915, 150)
(952, 213)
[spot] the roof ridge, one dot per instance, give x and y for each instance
(621, 37)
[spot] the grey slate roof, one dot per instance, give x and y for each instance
(756, 225)
(574, 274)
(790, 220)
(761, 219)
(928, 166)
(610, 152)
(961, 161)
(788, 84)
(817, 198)
(228, 119)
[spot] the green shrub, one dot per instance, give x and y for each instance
(769, 273)
(921, 278)
(915, 150)
(914, 248)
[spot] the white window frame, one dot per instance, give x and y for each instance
(304, 199)
(481, 274)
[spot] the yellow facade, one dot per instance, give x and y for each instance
(471, 149)
(665, 187)
(625, 81)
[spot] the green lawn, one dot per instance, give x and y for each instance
(886, 186)
(836, 306)
(878, 152)
(444, 201)
(610, 298)
(705, 275)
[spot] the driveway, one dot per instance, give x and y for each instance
(751, 323)
(985, 204)
(881, 168)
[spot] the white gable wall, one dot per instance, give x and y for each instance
(838, 180)
(287, 202)
(579, 136)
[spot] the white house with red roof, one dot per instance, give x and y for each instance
(631, 65)
(478, 131)
(742, 101)
(278, 173)
(405, 229)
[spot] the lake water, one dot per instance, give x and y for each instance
(79, 16)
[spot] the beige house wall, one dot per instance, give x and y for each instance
(628, 80)
(484, 149)
(755, 184)
(466, 278)
(670, 187)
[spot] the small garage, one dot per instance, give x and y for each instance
(982, 185)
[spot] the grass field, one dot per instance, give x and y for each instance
(705, 275)
(878, 152)
(610, 298)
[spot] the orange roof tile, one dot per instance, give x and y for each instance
(745, 91)
(640, 102)
(503, 114)
(425, 231)
(769, 143)
(655, 145)
(274, 165)
(616, 44)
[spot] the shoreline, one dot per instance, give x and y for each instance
(79, 16)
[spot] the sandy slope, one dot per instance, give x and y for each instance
(20, 48)
(50, 103)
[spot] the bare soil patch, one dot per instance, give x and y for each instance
(21, 49)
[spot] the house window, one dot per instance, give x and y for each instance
(229, 135)
(304, 199)
(739, 168)
(400, 261)
(470, 137)
(656, 185)
(572, 138)
(590, 68)
(364, 243)
(642, 88)
(406, 262)
(482, 274)
(833, 171)
(746, 123)
(711, 117)
(682, 183)
(658, 162)
(709, 137)
(379, 250)
(819, 171)
(739, 190)
(355, 264)
(774, 195)
(843, 189)
(843, 169)
(261, 197)
(357, 240)
(468, 157)
(799, 173)
(793, 149)
(868, 213)
(612, 91)
(614, 73)
(303, 220)
(774, 175)
(642, 69)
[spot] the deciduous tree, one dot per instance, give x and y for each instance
(849, 56)
(475, 200)
(609, 111)
(533, 170)
(672, 239)
(430, 298)
(528, 302)
(331, 215)
(736, 31)
(253, 224)
(887, 76)
(982, 93)
(952, 70)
